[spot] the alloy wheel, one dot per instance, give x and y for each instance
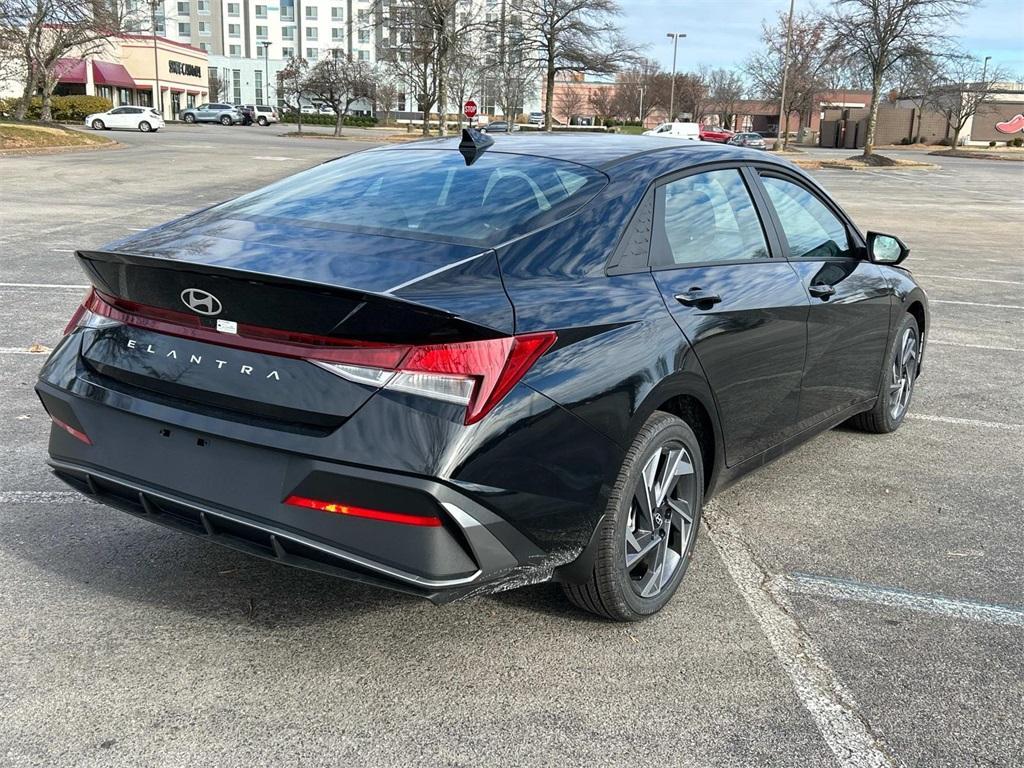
(145, 127)
(904, 368)
(662, 516)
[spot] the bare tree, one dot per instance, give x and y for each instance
(570, 101)
(725, 89)
(917, 79)
(45, 31)
(637, 92)
(573, 36)
(291, 82)
(339, 81)
(810, 54)
(512, 72)
(881, 33)
(602, 101)
(216, 86)
(692, 94)
(969, 85)
(386, 90)
(465, 79)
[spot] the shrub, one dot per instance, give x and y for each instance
(1018, 142)
(905, 141)
(991, 143)
(945, 142)
(329, 120)
(63, 108)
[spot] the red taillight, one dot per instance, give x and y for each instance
(370, 514)
(77, 317)
(477, 374)
(71, 430)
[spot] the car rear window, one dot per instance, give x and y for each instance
(428, 194)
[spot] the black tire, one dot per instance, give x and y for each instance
(263, 121)
(226, 120)
(97, 125)
(189, 118)
(145, 127)
(611, 590)
(884, 416)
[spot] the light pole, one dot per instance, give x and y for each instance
(266, 71)
(642, 89)
(984, 69)
(783, 132)
(158, 100)
(672, 97)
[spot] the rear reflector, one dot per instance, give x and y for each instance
(370, 514)
(476, 374)
(71, 430)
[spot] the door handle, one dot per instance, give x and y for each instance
(698, 297)
(821, 290)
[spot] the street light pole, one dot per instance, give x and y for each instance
(783, 132)
(642, 89)
(158, 100)
(266, 71)
(672, 97)
(984, 69)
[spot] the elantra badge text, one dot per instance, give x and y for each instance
(244, 370)
(201, 301)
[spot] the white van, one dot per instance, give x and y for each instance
(676, 131)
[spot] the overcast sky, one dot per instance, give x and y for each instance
(722, 33)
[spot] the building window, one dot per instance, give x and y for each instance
(183, 9)
(287, 33)
(337, 14)
(261, 11)
(236, 85)
(337, 34)
(258, 80)
(191, 100)
(287, 52)
(204, 7)
(310, 11)
(312, 53)
(234, 30)
(287, 10)
(234, 50)
(311, 33)
(161, 26)
(261, 33)
(364, 36)
(184, 29)
(204, 28)
(204, 47)
(364, 55)
(361, 16)
(233, 9)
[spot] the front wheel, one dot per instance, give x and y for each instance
(145, 127)
(263, 121)
(225, 120)
(189, 118)
(97, 125)
(897, 381)
(649, 530)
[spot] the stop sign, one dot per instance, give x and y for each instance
(469, 109)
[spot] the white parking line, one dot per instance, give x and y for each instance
(46, 285)
(975, 304)
(829, 703)
(840, 589)
(44, 497)
(270, 157)
(23, 351)
(944, 343)
(967, 422)
(969, 279)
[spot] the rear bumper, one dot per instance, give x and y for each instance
(233, 493)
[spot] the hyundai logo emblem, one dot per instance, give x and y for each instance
(200, 301)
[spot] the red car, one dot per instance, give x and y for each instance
(711, 133)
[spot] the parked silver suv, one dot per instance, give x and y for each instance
(225, 114)
(264, 114)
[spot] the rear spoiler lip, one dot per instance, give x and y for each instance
(160, 262)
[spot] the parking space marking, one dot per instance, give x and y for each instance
(829, 703)
(976, 304)
(970, 279)
(45, 497)
(23, 351)
(45, 285)
(967, 422)
(841, 589)
(943, 343)
(270, 157)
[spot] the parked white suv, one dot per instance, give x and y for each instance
(264, 114)
(143, 119)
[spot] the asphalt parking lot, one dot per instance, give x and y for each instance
(860, 602)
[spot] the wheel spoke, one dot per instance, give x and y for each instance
(682, 510)
(651, 583)
(640, 550)
(645, 492)
(668, 474)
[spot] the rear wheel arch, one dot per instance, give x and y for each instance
(916, 308)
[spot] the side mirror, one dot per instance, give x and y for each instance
(886, 249)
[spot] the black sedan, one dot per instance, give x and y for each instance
(453, 368)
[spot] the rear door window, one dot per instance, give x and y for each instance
(708, 218)
(430, 194)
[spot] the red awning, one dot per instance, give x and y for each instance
(70, 70)
(105, 73)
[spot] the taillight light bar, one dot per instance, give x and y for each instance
(476, 374)
(78, 434)
(364, 512)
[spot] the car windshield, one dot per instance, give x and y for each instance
(427, 194)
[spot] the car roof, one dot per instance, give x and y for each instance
(595, 150)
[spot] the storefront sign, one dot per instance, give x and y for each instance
(179, 68)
